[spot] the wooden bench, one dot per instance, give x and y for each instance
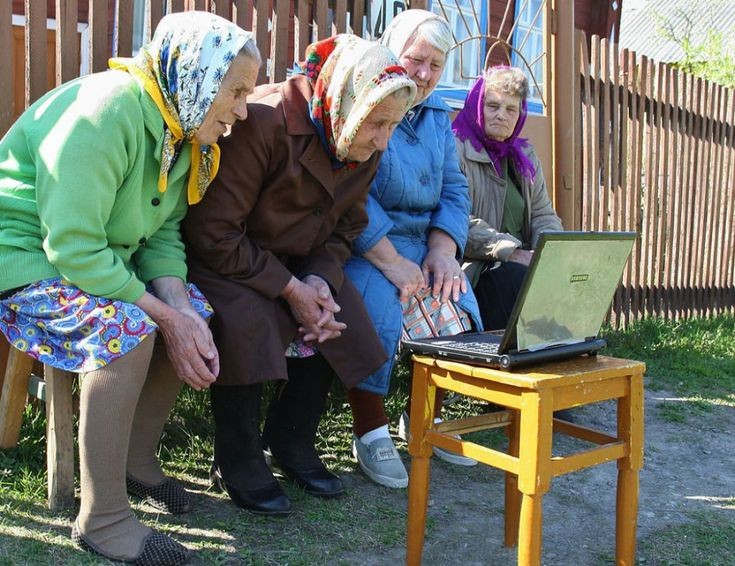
(530, 396)
(56, 389)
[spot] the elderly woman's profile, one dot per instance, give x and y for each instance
(95, 178)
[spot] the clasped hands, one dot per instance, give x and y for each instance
(314, 308)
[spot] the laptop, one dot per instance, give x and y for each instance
(561, 306)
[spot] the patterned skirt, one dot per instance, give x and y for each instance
(61, 325)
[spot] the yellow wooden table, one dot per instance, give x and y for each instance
(531, 395)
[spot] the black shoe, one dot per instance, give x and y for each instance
(239, 467)
(316, 480)
(158, 550)
(168, 496)
(293, 419)
(269, 500)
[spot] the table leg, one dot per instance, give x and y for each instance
(512, 495)
(529, 533)
(422, 417)
(534, 474)
(630, 429)
(418, 495)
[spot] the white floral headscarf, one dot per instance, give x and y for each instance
(182, 69)
(403, 26)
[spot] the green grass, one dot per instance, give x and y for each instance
(693, 361)
(708, 541)
(692, 358)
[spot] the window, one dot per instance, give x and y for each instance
(469, 18)
(528, 39)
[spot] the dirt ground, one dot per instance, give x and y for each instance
(688, 467)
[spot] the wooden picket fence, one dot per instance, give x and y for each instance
(655, 145)
(658, 158)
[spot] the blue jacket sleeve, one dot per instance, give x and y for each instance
(452, 215)
(379, 224)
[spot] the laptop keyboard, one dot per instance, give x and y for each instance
(472, 347)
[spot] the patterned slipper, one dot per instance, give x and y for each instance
(169, 495)
(158, 549)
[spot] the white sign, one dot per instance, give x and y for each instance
(381, 13)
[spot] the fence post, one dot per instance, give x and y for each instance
(564, 103)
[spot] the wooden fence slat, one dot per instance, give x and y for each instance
(124, 30)
(153, 15)
(7, 55)
(715, 244)
(638, 251)
(605, 186)
(594, 183)
(175, 6)
(660, 193)
(35, 51)
(223, 8)
(244, 14)
(702, 199)
(67, 47)
(263, 13)
(321, 8)
(303, 16)
(628, 59)
(98, 49)
(615, 214)
(589, 165)
(688, 297)
(281, 56)
(340, 16)
(357, 14)
(675, 200)
(729, 196)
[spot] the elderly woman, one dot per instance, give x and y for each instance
(510, 203)
(418, 209)
(268, 246)
(95, 178)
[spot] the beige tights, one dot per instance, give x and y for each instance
(109, 397)
(155, 403)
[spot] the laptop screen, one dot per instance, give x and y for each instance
(569, 287)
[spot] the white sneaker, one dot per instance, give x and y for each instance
(451, 457)
(380, 462)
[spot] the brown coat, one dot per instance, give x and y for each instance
(277, 209)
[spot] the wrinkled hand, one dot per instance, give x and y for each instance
(406, 276)
(445, 275)
(521, 256)
(190, 347)
(313, 306)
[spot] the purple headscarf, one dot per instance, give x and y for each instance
(470, 125)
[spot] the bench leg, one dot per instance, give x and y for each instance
(13, 397)
(59, 437)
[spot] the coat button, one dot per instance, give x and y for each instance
(126, 246)
(424, 180)
(142, 241)
(318, 211)
(156, 201)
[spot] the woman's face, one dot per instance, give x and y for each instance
(501, 112)
(229, 103)
(377, 128)
(424, 64)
